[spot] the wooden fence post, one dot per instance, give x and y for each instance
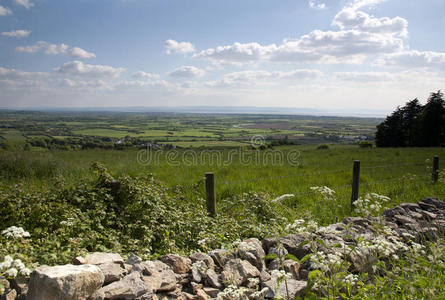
(355, 181)
(210, 194)
(435, 169)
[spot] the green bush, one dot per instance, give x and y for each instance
(127, 214)
(365, 144)
(323, 147)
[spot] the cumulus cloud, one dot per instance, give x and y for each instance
(364, 76)
(43, 46)
(173, 46)
(413, 59)
(5, 11)
(6, 73)
(187, 72)
(80, 69)
(25, 3)
(249, 52)
(77, 52)
(17, 33)
(246, 78)
(54, 49)
(357, 4)
(344, 46)
(349, 18)
(316, 5)
(144, 75)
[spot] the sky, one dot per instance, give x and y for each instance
(328, 54)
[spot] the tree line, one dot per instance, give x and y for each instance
(414, 125)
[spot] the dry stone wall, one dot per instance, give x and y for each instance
(242, 273)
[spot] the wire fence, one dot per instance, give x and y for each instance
(368, 178)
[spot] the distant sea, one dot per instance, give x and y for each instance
(218, 110)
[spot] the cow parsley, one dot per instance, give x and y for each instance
(15, 232)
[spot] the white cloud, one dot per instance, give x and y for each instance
(152, 84)
(173, 46)
(80, 69)
(364, 76)
(5, 11)
(246, 78)
(187, 72)
(144, 75)
(44, 46)
(17, 33)
(414, 59)
(316, 5)
(349, 18)
(77, 52)
(25, 3)
(6, 73)
(249, 52)
(344, 46)
(357, 4)
(54, 49)
(82, 85)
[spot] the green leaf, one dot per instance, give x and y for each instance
(305, 258)
(314, 275)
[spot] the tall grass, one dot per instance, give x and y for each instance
(403, 174)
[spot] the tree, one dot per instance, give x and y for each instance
(414, 124)
(390, 132)
(431, 121)
(411, 112)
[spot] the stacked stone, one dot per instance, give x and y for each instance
(203, 276)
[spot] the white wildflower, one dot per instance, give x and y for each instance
(15, 232)
(12, 272)
(282, 197)
(7, 262)
(324, 191)
(351, 279)
(26, 271)
(281, 274)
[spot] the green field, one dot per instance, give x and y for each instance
(384, 171)
(124, 196)
(180, 129)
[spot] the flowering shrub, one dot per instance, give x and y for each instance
(15, 232)
(326, 192)
(370, 205)
(127, 214)
(301, 226)
(12, 267)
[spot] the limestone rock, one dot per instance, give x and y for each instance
(237, 271)
(221, 256)
(130, 287)
(11, 295)
(202, 295)
(295, 288)
(112, 272)
(292, 244)
(292, 267)
(198, 271)
(212, 292)
(252, 251)
(179, 264)
(159, 276)
(64, 282)
(133, 259)
(212, 279)
(197, 256)
(98, 258)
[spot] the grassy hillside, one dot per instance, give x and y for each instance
(402, 174)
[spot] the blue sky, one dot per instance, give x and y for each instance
(355, 54)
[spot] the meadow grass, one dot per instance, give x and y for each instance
(403, 174)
